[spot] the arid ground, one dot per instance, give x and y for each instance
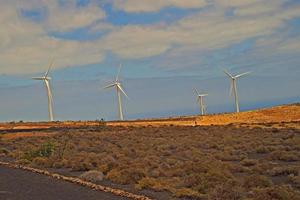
(252, 155)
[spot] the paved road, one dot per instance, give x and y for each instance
(16, 184)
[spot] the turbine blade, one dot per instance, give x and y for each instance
(38, 78)
(228, 74)
(197, 93)
(109, 86)
(50, 65)
(121, 89)
(243, 74)
(118, 74)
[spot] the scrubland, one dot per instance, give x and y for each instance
(173, 162)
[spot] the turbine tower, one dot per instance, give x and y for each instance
(46, 80)
(119, 91)
(233, 87)
(200, 98)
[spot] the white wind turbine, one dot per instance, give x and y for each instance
(233, 87)
(200, 98)
(46, 80)
(119, 90)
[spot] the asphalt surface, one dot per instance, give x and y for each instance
(16, 184)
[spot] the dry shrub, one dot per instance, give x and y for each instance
(284, 156)
(60, 163)
(248, 162)
(226, 191)
(254, 181)
(282, 192)
(205, 182)
(104, 168)
(4, 151)
(41, 161)
(125, 176)
(279, 171)
(295, 180)
(262, 149)
(23, 162)
(152, 183)
(189, 194)
(237, 168)
(92, 176)
(45, 150)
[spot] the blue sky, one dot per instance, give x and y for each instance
(167, 48)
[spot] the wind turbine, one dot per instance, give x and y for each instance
(200, 98)
(46, 80)
(233, 87)
(119, 91)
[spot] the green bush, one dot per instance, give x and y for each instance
(3, 151)
(45, 150)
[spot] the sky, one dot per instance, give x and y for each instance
(166, 47)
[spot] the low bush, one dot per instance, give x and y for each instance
(45, 150)
(254, 181)
(287, 156)
(282, 192)
(41, 161)
(155, 184)
(189, 194)
(248, 162)
(4, 151)
(92, 176)
(226, 191)
(262, 149)
(125, 176)
(279, 171)
(295, 180)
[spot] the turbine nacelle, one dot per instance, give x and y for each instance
(236, 76)
(202, 95)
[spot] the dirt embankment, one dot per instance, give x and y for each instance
(285, 113)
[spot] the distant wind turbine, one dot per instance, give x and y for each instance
(233, 87)
(119, 90)
(46, 80)
(200, 98)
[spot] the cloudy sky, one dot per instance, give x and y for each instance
(167, 48)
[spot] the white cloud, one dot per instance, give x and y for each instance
(155, 5)
(26, 47)
(208, 30)
(69, 16)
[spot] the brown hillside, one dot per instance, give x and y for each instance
(285, 113)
